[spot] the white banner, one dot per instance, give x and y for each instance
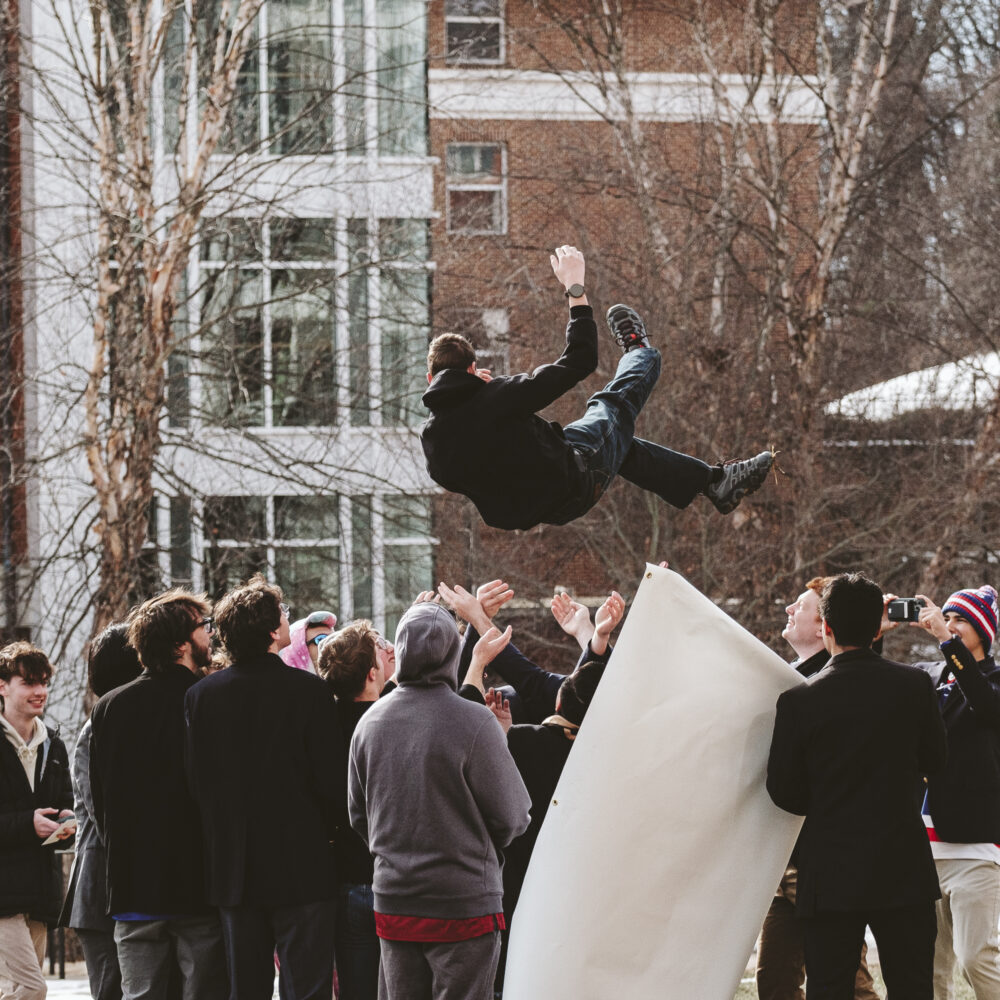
(661, 850)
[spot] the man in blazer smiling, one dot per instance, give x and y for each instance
(849, 752)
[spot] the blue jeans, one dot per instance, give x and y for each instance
(357, 944)
(604, 437)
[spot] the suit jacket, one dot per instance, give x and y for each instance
(267, 765)
(849, 753)
(86, 903)
(145, 814)
(964, 798)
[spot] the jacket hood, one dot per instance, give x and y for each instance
(428, 647)
(296, 653)
(449, 388)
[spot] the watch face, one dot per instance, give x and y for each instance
(575, 291)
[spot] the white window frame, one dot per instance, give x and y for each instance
(381, 547)
(499, 188)
(499, 20)
(339, 264)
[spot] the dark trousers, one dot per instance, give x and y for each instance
(604, 436)
(358, 950)
(781, 960)
(101, 956)
(905, 938)
(157, 954)
(303, 937)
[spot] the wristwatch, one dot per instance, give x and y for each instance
(575, 291)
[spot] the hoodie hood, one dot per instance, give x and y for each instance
(449, 388)
(428, 647)
(296, 653)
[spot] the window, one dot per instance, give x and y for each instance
(268, 351)
(321, 76)
(476, 188)
(474, 31)
(487, 329)
(272, 352)
(360, 556)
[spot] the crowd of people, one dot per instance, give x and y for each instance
(330, 799)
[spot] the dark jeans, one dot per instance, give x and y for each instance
(357, 943)
(303, 937)
(604, 437)
(905, 938)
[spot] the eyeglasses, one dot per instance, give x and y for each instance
(317, 639)
(285, 610)
(207, 623)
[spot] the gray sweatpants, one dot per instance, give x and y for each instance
(460, 970)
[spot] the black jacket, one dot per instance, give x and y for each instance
(267, 765)
(964, 798)
(540, 753)
(849, 753)
(145, 815)
(30, 874)
(486, 441)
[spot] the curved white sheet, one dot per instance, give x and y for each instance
(661, 850)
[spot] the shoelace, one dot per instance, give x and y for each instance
(626, 329)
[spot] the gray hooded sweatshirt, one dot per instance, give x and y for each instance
(432, 788)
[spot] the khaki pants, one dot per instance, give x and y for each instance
(967, 916)
(22, 951)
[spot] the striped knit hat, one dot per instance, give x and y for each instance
(979, 609)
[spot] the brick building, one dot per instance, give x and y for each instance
(553, 123)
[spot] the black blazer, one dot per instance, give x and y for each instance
(144, 811)
(267, 765)
(849, 753)
(964, 798)
(30, 874)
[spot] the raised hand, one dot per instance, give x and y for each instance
(606, 619)
(500, 707)
(490, 644)
(493, 596)
(427, 597)
(573, 618)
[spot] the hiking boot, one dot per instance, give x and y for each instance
(739, 479)
(627, 328)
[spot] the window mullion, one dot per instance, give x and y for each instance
(263, 105)
(342, 352)
(270, 540)
(371, 79)
(375, 388)
(339, 98)
(378, 564)
(267, 373)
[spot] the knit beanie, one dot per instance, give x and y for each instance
(979, 609)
